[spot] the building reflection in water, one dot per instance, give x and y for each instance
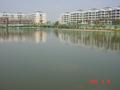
(40, 36)
(36, 36)
(105, 40)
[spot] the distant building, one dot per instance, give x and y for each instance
(40, 17)
(116, 13)
(64, 18)
(105, 15)
(77, 16)
(92, 16)
(23, 18)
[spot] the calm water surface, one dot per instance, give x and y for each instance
(47, 59)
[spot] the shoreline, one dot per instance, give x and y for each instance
(66, 29)
(88, 30)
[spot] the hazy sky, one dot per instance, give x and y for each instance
(54, 8)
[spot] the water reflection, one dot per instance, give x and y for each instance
(52, 66)
(102, 82)
(105, 40)
(36, 36)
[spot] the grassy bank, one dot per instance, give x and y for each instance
(68, 27)
(88, 30)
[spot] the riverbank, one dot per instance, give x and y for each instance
(88, 30)
(57, 28)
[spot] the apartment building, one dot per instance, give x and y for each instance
(92, 16)
(77, 16)
(40, 17)
(116, 13)
(64, 18)
(23, 18)
(105, 15)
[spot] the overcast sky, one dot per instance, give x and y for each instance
(54, 8)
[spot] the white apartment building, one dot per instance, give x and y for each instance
(64, 18)
(77, 17)
(91, 15)
(73, 17)
(40, 17)
(116, 13)
(105, 15)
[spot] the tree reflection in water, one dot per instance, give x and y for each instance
(105, 40)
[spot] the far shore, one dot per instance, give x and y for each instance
(88, 30)
(69, 29)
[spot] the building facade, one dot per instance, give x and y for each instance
(23, 18)
(40, 17)
(105, 15)
(77, 17)
(116, 13)
(64, 18)
(91, 15)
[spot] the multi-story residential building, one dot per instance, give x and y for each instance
(23, 18)
(40, 17)
(17, 18)
(92, 16)
(116, 13)
(64, 18)
(77, 16)
(105, 15)
(73, 17)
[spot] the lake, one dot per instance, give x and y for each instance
(50, 59)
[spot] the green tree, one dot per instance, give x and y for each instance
(116, 22)
(56, 24)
